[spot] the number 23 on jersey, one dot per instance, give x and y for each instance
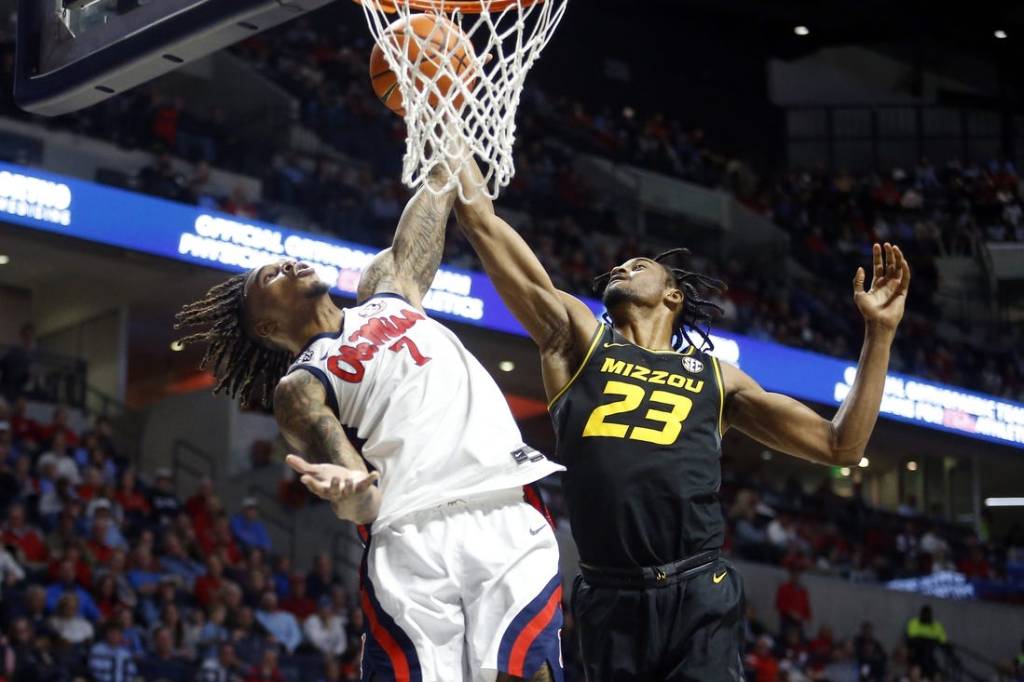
(676, 410)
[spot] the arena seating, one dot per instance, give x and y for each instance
(105, 571)
(832, 217)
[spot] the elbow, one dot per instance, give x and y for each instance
(847, 457)
(843, 454)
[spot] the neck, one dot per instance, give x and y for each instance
(644, 327)
(326, 319)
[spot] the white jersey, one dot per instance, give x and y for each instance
(422, 409)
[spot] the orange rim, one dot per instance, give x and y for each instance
(449, 6)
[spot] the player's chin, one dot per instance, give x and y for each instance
(616, 293)
(316, 288)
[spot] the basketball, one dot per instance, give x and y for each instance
(443, 40)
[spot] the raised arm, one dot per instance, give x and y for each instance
(790, 426)
(339, 474)
(409, 266)
(558, 323)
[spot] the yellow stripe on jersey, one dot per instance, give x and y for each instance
(598, 333)
(721, 393)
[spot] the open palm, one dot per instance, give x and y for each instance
(883, 304)
(348, 491)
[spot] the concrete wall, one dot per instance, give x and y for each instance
(15, 310)
(101, 339)
(245, 428)
(200, 418)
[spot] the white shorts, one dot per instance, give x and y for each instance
(463, 591)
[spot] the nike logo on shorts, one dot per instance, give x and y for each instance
(719, 578)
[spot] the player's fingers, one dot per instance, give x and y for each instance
(905, 277)
(300, 465)
(367, 482)
(312, 485)
(890, 261)
(858, 281)
(876, 258)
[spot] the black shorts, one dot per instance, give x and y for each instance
(690, 630)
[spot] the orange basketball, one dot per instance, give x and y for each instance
(443, 41)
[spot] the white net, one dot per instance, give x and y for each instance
(461, 76)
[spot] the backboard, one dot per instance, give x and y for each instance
(74, 53)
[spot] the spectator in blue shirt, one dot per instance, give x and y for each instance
(86, 605)
(144, 575)
(177, 562)
(278, 622)
(110, 660)
(133, 635)
(248, 529)
(163, 663)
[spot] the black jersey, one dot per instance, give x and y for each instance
(640, 433)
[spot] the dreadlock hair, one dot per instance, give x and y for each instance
(698, 310)
(244, 368)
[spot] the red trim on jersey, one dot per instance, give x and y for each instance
(399, 661)
(517, 659)
(534, 499)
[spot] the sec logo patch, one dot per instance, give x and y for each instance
(693, 365)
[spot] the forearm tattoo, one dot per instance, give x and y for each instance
(419, 239)
(308, 424)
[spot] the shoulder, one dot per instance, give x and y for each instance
(574, 338)
(297, 394)
(734, 379)
(297, 387)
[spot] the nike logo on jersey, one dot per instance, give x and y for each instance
(719, 578)
(534, 532)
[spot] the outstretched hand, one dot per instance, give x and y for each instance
(350, 492)
(883, 304)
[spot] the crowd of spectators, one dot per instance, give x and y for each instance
(795, 654)
(845, 537)
(832, 217)
(110, 577)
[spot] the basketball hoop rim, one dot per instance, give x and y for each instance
(447, 6)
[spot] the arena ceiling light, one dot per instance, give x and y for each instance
(801, 30)
(1000, 34)
(1004, 501)
(845, 471)
(864, 463)
(177, 346)
(4, 259)
(911, 465)
(506, 365)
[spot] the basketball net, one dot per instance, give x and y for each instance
(478, 101)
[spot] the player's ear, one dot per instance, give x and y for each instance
(674, 297)
(264, 328)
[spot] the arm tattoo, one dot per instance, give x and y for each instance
(309, 425)
(419, 239)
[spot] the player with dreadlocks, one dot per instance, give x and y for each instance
(639, 412)
(461, 564)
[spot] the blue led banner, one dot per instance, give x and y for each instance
(84, 210)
